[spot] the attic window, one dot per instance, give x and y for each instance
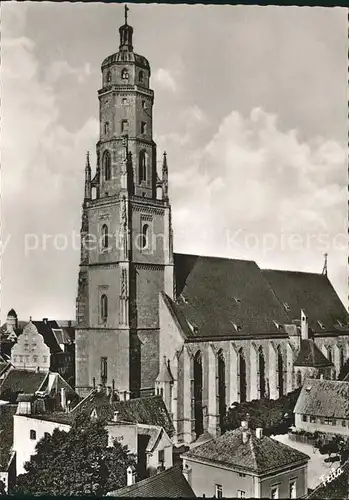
(277, 325)
(321, 325)
(237, 328)
(339, 323)
(238, 301)
(286, 306)
(308, 388)
(185, 300)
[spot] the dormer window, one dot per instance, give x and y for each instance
(124, 74)
(237, 328)
(238, 301)
(339, 323)
(321, 325)
(286, 306)
(277, 326)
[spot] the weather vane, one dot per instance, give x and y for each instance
(126, 10)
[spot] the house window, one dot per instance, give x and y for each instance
(124, 74)
(141, 76)
(293, 489)
(26, 347)
(47, 435)
(45, 359)
(334, 421)
(304, 418)
(218, 491)
(107, 165)
(105, 237)
(32, 434)
(104, 370)
(161, 456)
(312, 419)
(124, 126)
(145, 236)
(274, 493)
(327, 421)
(104, 308)
(241, 494)
(35, 359)
(143, 127)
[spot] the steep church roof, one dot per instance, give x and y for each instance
(258, 455)
(226, 297)
(311, 292)
(310, 355)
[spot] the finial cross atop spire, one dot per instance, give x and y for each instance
(324, 270)
(126, 10)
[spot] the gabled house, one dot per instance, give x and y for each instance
(323, 405)
(245, 464)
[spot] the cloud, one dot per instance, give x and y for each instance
(260, 193)
(164, 80)
(59, 70)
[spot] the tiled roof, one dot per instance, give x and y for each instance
(150, 410)
(19, 381)
(324, 398)
(6, 434)
(45, 329)
(4, 366)
(311, 292)
(310, 355)
(170, 483)
(226, 297)
(338, 488)
(164, 373)
(258, 455)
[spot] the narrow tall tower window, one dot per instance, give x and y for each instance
(124, 74)
(143, 127)
(145, 236)
(104, 370)
(143, 163)
(124, 126)
(107, 165)
(105, 237)
(106, 128)
(108, 77)
(104, 308)
(141, 76)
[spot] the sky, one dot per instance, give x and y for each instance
(250, 105)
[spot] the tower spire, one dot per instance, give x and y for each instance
(88, 186)
(165, 177)
(126, 33)
(324, 270)
(126, 10)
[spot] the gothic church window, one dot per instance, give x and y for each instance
(143, 163)
(329, 354)
(104, 308)
(104, 370)
(107, 165)
(105, 237)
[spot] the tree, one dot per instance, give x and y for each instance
(78, 462)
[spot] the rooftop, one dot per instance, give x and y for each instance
(257, 455)
(324, 398)
(310, 355)
(337, 488)
(170, 483)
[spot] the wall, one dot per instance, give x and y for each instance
(153, 458)
(203, 479)
(321, 427)
(283, 481)
(22, 444)
(30, 352)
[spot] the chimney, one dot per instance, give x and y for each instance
(304, 326)
(99, 388)
(244, 424)
(187, 472)
(45, 320)
(63, 398)
(321, 376)
(259, 433)
(131, 475)
(108, 390)
(116, 416)
(245, 436)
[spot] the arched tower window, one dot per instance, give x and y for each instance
(107, 165)
(109, 77)
(106, 128)
(124, 74)
(298, 378)
(143, 163)
(105, 236)
(141, 76)
(124, 126)
(145, 236)
(104, 308)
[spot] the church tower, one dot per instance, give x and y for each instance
(126, 235)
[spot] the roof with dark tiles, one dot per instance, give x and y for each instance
(311, 292)
(324, 398)
(257, 455)
(310, 355)
(338, 488)
(20, 381)
(170, 483)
